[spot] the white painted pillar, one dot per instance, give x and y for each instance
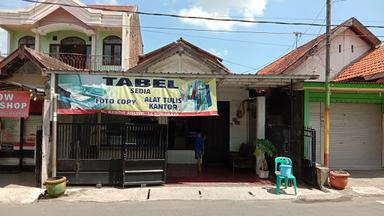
(9, 36)
(94, 58)
(125, 40)
(260, 128)
(45, 165)
(260, 117)
(37, 42)
(53, 101)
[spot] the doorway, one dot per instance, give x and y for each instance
(73, 45)
(216, 129)
(74, 51)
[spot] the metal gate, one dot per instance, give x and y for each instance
(309, 163)
(113, 154)
(38, 157)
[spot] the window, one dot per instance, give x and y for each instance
(27, 41)
(352, 49)
(112, 50)
(339, 48)
(72, 41)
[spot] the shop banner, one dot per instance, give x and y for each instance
(137, 96)
(14, 104)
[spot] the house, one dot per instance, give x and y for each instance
(356, 134)
(238, 116)
(84, 36)
(113, 115)
(58, 35)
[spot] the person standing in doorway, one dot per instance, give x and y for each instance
(199, 150)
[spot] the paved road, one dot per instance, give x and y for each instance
(345, 207)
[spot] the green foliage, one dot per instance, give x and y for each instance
(265, 146)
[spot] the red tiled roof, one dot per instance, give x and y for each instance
(368, 65)
(44, 61)
(126, 8)
(282, 64)
(178, 46)
(206, 54)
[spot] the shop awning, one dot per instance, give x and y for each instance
(224, 80)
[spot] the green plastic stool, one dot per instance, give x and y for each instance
(279, 177)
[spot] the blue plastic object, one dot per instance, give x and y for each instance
(284, 161)
(285, 170)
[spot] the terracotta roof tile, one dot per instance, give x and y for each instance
(49, 62)
(181, 45)
(44, 61)
(282, 64)
(181, 41)
(368, 65)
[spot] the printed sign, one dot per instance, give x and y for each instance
(137, 96)
(14, 104)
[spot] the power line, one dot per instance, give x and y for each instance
(273, 18)
(198, 17)
(208, 30)
(314, 20)
(223, 39)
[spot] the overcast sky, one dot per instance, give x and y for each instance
(242, 52)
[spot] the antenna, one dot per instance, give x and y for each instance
(297, 35)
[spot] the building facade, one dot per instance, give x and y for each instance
(57, 33)
(57, 45)
(356, 134)
(84, 36)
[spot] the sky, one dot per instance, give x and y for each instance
(241, 52)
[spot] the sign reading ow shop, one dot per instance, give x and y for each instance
(140, 96)
(14, 104)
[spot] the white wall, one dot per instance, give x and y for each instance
(186, 64)
(231, 94)
(315, 64)
(238, 133)
(179, 64)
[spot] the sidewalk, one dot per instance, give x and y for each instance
(360, 184)
(365, 183)
(25, 195)
(20, 191)
(228, 192)
(15, 194)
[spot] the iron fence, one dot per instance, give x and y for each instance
(88, 62)
(310, 142)
(125, 154)
(309, 162)
(110, 141)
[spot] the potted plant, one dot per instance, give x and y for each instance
(263, 147)
(56, 186)
(338, 179)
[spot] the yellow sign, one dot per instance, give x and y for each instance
(84, 94)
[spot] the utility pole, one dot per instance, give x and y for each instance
(327, 87)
